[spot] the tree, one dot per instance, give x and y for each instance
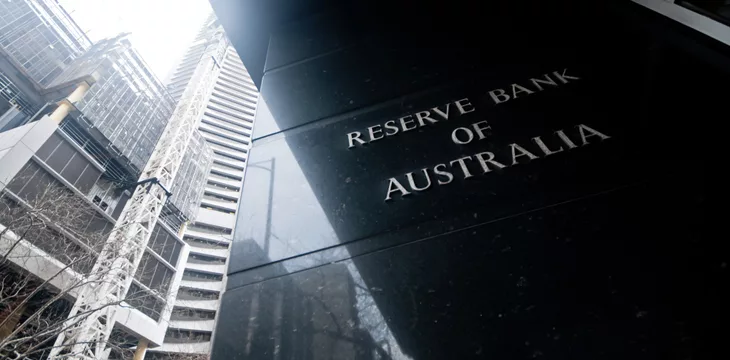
(50, 238)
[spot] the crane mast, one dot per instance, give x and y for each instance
(93, 316)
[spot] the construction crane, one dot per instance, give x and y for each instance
(93, 316)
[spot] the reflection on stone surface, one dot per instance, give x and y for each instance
(585, 279)
(595, 251)
(323, 313)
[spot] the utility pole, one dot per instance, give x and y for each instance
(93, 316)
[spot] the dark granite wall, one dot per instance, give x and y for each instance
(594, 251)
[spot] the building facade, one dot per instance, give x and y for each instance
(478, 180)
(86, 164)
(225, 125)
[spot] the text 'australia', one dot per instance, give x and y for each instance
(486, 162)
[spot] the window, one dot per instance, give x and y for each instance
(206, 244)
(165, 244)
(102, 205)
(145, 302)
(196, 294)
(192, 314)
(183, 336)
(154, 274)
(211, 229)
(199, 276)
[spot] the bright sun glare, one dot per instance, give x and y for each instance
(160, 30)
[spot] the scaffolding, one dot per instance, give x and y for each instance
(187, 190)
(118, 123)
(114, 271)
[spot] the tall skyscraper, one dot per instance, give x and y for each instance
(86, 164)
(226, 125)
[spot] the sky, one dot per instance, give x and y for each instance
(161, 30)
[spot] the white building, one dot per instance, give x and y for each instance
(226, 125)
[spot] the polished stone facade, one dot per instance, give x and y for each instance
(570, 226)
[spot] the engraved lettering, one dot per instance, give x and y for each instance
(499, 96)
(489, 160)
(443, 175)
(582, 129)
(425, 115)
(544, 148)
(443, 114)
(373, 130)
(398, 188)
(354, 136)
(462, 164)
(390, 125)
(522, 151)
(564, 78)
(516, 89)
(412, 182)
(480, 127)
(548, 81)
(455, 137)
(448, 175)
(404, 123)
(463, 107)
(566, 139)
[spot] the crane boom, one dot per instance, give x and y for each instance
(93, 316)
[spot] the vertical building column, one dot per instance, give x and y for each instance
(66, 105)
(141, 349)
(183, 227)
(10, 317)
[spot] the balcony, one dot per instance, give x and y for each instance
(238, 129)
(232, 92)
(212, 269)
(238, 105)
(220, 133)
(223, 160)
(220, 205)
(218, 237)
(247, 102)
(240, 156)
(236, 175)
(224, 193)
(196, 325)
(211, 113)
(236, 87)
(236, 115)
(224, 132)
(187, 348)
(202, 285)
(218, 253)
(199, 304)
(238, 76)
(220, 180)
(215, 218)
(219, 140)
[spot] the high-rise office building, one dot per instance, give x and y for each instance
(226, 124)
(90, 157)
